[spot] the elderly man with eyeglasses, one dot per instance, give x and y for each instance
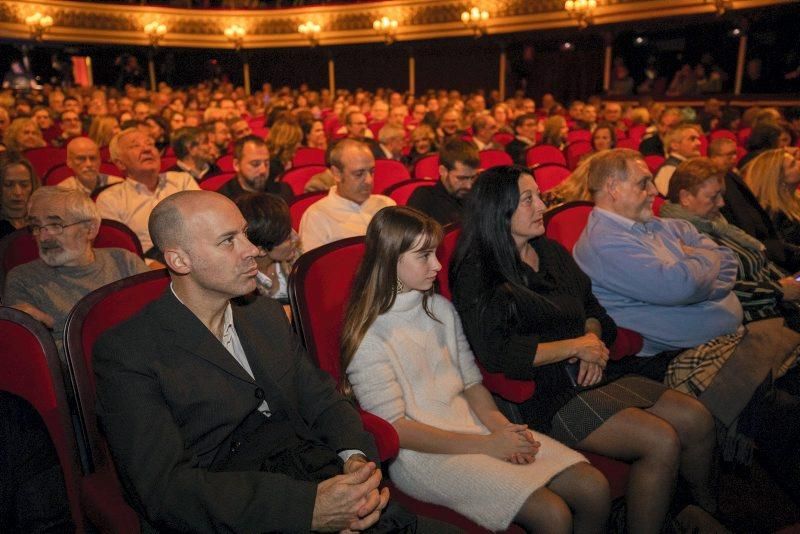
(64, 224)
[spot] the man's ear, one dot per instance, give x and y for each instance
(683, 197)
(177, 260)
(337, 174)
(93, 229)
(442, 171)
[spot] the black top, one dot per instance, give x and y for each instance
(232, 189)
(788, 228)
(6, 228)
(518, 151)
(652, 146)
(504, 332)
(438, 203)
(743, 210)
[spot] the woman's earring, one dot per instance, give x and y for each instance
(398, 286)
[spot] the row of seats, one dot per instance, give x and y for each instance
(59, 390)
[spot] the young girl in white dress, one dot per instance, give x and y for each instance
(407, 360)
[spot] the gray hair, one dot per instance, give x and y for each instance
(77, 204)
(389, 132)
(113, 146)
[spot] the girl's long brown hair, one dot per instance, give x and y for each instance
(392, 231)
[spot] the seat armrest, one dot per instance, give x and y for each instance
(516, 391)
(386, 438)
(628, 343)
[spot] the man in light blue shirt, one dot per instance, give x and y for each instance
(659, 277)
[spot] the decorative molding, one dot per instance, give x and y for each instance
(85, 22)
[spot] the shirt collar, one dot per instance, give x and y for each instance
(628, 224)
(143, 189)
(227, 319)
(345, 202)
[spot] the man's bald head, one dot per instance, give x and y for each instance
(169, 221)
(80, 144)
(83, 158)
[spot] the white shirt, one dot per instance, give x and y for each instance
(664, 175)
(103, 180)
(132, 202)
(335, 217)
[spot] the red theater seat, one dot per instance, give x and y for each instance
(298, 177)
(544, 154)
(494, 158)
(300, 204)
(388, 173)
(45, 158)
(214, 183)
(549, 175)
(401, 191)
(574, 151)
(308, 156)
(427, 168)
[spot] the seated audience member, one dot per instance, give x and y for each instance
(683, 142)
(33, 497)
(397, 116)
(314, 134)
(131, 202)
(423, 143)
(528, 312)
(407, 361)
(356, 129)
(269, 228)
(71, 127)
(17, 181)
(773, 177)
(575, 187)
(524, 138)
(23, 134)
(350, 204)
(392, 140)
(655, 144)
(177, 120)
(458, 168)
(379, 112)
(555, 132)
(764, 136)
(604, 137)
(742, 208)
(483, 129)
(83, 158)
(502, 116)
(195, 153)
(251, 159)
(673, 285)
(283, 140)
(220, 135)
(449, 125)
(239, 128)
(588, 118)
(243, 433)
(103, 129)
(159, 131)
(64, 224)
(764, 289)
(44, 120)
(612, 115)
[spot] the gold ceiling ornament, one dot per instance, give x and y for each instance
(387, 28)
(38, 25)
(477, 20)
(155, 32)
(311, 31)
(235, 34)
(581, 10)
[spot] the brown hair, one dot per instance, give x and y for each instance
(690, 175)
(392, 231)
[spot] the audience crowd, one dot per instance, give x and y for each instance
(692, 243)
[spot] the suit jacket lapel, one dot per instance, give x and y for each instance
(256, 343)
(186, 331)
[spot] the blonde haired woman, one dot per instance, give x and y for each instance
(102, 129)
(773, 176)
(283, 141)
(23, 134)
(575, 187)
(408, 361)
(555, 132)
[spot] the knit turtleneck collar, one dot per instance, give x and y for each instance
(404, 302)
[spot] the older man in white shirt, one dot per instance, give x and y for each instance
(350, 204)
(83, 158)
(144, 186)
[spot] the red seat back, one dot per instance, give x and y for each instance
(549, 175)
(657, 203)
(30, 368)
(106, 167)
(630, 143)
(427, 168)
(300, 204)
(225, 163)
(654, 162)
(57, 174)
(743, 135)
(445, 254)
(401, 192)
(574, 151)
(388, 173)
(167, 162)
(565, 223)
(579, 135)
(544, 154)
(45, 158)
(308, 156)
(298, 177)
(503, 138)
(375, 128)
(494, 158)
(20, 247)
(318, 306)
(636, 132)
(215, 182)
(722, 133)
(703, 145)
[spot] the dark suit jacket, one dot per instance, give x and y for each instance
(233, 189)
(518, 150)
(438, 203)
(169, 394)
(652, 146)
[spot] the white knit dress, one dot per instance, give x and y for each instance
(414, 367)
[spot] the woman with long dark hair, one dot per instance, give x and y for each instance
(407, 361)
(529, 312)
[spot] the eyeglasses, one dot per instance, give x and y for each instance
(52, 228)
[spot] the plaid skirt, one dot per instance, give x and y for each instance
(589, 409)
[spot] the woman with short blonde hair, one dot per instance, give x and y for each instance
(773, 176)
